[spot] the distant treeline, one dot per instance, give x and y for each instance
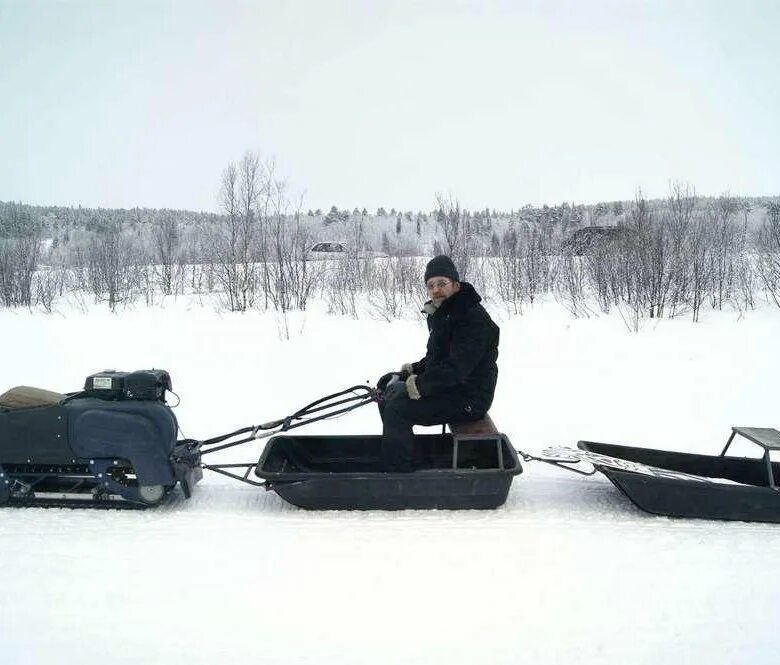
(666, 257)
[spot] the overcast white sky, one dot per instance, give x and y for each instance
(144, 103)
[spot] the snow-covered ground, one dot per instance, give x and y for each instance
(566, 571)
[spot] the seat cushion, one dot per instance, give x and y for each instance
(23, 397)
(474, 427)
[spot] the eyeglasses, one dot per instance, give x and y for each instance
(438, 285)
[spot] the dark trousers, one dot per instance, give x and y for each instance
(399, 414)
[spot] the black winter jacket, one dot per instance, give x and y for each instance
(462, 351)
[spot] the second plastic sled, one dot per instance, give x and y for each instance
(679, 484)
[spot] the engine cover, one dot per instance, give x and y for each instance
(142, 432)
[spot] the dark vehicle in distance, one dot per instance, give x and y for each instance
(341, 250)
(588, 238)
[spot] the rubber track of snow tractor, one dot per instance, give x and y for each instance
(91, 504)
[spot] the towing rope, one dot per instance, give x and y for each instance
(561, 464)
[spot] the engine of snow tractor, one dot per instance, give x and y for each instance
(60, 449)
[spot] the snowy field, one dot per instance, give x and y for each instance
(566, 571)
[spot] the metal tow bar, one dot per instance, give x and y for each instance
(327, 407)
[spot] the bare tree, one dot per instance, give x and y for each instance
(165, 252)
(768, 253)
(110, 259)
(233, 243)
(49, 283)
(699, 248)
(508, 270)
(289, 275)
(20, 247)
(680, 220)
(724, 236)
(571, 285)
(452, 220)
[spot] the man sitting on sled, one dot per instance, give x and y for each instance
(456, 379)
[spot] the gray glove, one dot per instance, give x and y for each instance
(411, 387)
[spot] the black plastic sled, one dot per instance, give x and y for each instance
(345, 472)
(700, 486)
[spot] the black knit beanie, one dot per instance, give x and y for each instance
(441, 266)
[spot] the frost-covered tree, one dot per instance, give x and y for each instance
(20, 246)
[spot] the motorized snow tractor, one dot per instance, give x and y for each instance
(113, 443)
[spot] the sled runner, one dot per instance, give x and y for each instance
(687, 485)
